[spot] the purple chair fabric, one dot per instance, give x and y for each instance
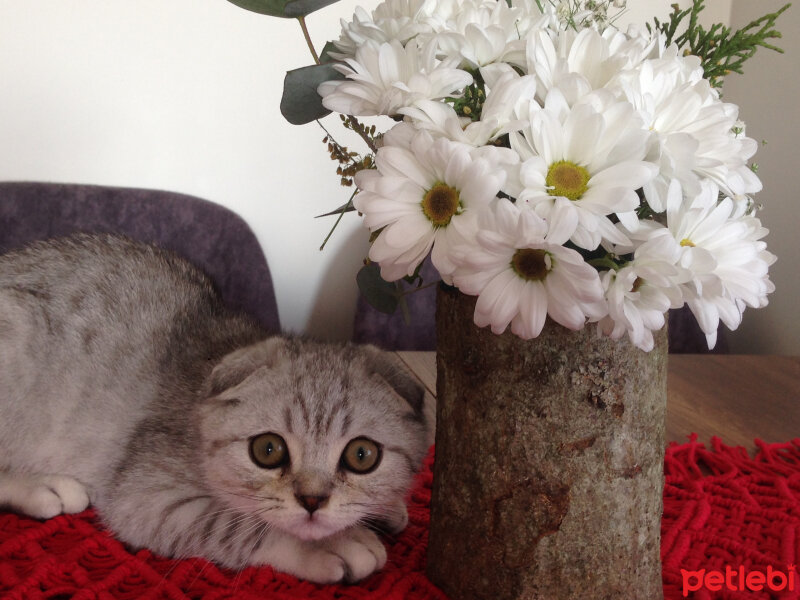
(208, 235)
(392, 333)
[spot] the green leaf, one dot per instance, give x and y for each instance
(301, 103)
(380, 294)
(288, 9)
(301, 8)
(416, 277)
(273, 8)
(325, 55)
(346, 207)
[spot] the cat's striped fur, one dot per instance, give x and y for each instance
(125, 382)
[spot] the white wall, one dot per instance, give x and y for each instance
(643, 11)
(767, 95)
(183, 95)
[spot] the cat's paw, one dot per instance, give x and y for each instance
(318, 566)
(305, 560)
(360, 550)
(350, 555)
(52, 495)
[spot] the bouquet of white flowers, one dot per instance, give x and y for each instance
(549, 163)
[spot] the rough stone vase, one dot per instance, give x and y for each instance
(548, 477)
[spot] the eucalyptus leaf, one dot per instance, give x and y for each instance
(301, 8)
(380, 294)
(288, 9)
(273, 8)
(301, 103)
(325, 55)
(410, 279)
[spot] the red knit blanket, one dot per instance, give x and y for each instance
(722, 510)
(732, 515)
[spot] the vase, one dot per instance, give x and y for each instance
(548, 475)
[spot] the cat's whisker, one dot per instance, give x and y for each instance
(260, 528)
(199, 574)
(199, 523)
(256, 497)
(265, 529)
(375, 509)
(196, 525)
(379, 518)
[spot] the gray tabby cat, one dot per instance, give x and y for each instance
(124, 382)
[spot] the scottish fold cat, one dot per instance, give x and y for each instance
(126, 384)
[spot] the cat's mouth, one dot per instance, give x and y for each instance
(312, 527)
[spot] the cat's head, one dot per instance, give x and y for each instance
(312, 438)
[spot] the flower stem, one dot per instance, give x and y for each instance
(605, 262)
(401, 302)
(336, 224)
(418, 289)
(355, 125)
(302, 21)
(332, 139)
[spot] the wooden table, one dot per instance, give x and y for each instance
(738, 398)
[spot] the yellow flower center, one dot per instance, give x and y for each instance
(440, 204)
(637, 284)
(531, 264)
(686, 242)
(565, 178)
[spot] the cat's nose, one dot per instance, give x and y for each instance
(311, 503)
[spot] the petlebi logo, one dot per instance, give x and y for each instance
(739, 580)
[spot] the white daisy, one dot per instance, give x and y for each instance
(723, 251)
(640, 293)
(383, 78)
(582, 164)
(520, 277)
(585, 60)
(507, 94)
(476, 47)
(423, 198)
(400, 20)
(696, 133)
(454, 15)
(481, 33)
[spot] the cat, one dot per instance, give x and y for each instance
(125, 383)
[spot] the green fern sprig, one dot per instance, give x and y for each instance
(720, 50)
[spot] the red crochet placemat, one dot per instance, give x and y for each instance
(725, 512)
(721, 509)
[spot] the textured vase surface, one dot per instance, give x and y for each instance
(548, 477)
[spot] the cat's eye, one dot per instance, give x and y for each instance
(361, 455)
(269, 451)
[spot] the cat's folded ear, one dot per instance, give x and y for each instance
(393, 372)
(237, 366)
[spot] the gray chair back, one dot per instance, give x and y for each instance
(210, 236)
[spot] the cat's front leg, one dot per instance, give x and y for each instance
(42, 496)
(350, 555)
